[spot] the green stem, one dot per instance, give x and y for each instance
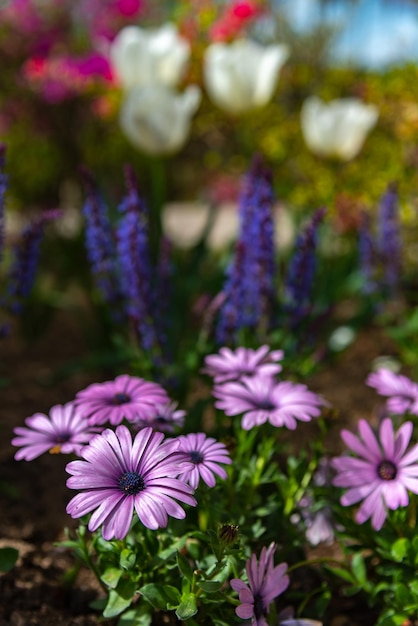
(90, 564)
(303, 485)
(317, 561)
(307, 599)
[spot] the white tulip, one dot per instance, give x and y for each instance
(139, 56)
(338, 128)
(243, 75)
(156, 119)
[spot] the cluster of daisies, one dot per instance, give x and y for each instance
(139, 464)
(118, 472)
(149, 472)
(247, 384)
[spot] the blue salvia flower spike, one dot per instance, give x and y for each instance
(230, 319)
(25, 258)
(135, 265)
(366, 255)
(100, 244)
(249, 287)
(301, 271)
(389, 244)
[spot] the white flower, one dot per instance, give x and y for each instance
(156, 119)
(243, 75)
(338, 128)
(139, 56)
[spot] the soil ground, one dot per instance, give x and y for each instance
(34, 496)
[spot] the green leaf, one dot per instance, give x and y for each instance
(8, 558)
(106, 546)
(399, 549)
(351, 591)
(184, 566)
(140, 616)
(342, 573)
(120, 598)
(169, 552)
(188, 607)
(359, 570)
(413, 586)
(322, 602)
(127, 559)
(210, 586)
(98, 604)
(111, 576)
(389, 618)
(161, 597)
(403, 595)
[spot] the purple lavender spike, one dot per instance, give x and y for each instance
(366, 254)
(301, 272)
(230, 311)
(135, 264)
(100, 243)
(389, 244)
(25, 258)
(249, 287)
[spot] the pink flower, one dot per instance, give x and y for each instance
(244, 9)
(206, 454)
(94, 65)
(262, 399)
(234, 20)
(118, 475)
(234, 364)
(265, 582)
(402, 392)
(126, 397)
(129, 8)
(166, 418)
(64, 430)
(383, 473)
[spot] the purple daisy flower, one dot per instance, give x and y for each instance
(382, 474)
(126, 397)
(64, 430)
(205, 453)
(234, 364)
(262, 399)
(402, 392)
(265, 582)
(118, 475)
(167, 417)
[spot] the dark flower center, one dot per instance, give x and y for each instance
(131, 483)
(258, 606)
(120, 398)
(265, 405)
(387, 470)
(63, 437)
(196, 456)
(60, 438)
